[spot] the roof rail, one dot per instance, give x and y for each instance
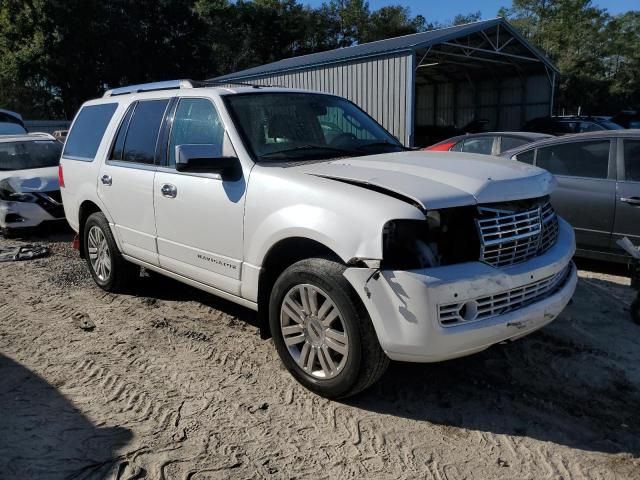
(150, 87)
(41, 134)
(213, 83)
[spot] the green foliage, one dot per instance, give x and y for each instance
(597, 54)
(55, 54)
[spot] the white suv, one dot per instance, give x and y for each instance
(298, 205)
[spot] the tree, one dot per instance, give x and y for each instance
(392, 21)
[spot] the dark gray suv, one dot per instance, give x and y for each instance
(598, 186)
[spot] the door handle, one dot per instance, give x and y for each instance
(106, 180)
(169, 191)
(631, 200)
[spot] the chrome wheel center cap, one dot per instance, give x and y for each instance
(314, 331)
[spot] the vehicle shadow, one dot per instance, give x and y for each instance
(575, 382)
(43, 435)
(159, 287)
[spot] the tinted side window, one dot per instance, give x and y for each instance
(590, 127)
(481, 145)
(507, 143)
(87, 132)
(196, 122)
(632, 160)
(457, 147)
(142, 134)
(579, 159)
(526, 157)
(118, 146)
(566, 127)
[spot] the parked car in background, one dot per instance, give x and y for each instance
(11, 123)
(430, 134)
(300, 206)
(29, 190)
(60, 135)
(563, 125)
(627, 119)
(598, 186)
(489, 143)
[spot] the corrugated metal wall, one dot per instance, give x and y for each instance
(381, 86)
(500, 101)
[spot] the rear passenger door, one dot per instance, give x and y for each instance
(627, 219)
(586, 191)
(125, 183)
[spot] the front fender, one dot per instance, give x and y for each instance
(345, 218)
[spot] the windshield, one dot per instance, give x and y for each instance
(30, 154)
(8, 128)
(304, 126)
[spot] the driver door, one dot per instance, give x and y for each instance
(199, 216)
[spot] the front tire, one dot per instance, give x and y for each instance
(109, 270)
(322, 332)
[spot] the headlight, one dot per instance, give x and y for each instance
(10, 195)
(22, 197)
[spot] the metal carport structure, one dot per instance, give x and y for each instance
(432, 80)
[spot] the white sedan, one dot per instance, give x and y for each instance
(29, 189)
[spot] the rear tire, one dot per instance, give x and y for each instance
(322, 332)
(109, 270)
(635, 310)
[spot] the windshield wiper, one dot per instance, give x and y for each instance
(383, 143)
(301, 148)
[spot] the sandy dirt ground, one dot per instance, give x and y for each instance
(174, 383)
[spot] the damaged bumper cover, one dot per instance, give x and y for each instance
(411, 310)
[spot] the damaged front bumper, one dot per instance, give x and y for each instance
(440, 313)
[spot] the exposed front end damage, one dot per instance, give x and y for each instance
(29, 201)
(433, 305)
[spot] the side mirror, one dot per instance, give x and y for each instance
(204, 158)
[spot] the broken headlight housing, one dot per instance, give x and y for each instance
(444, 237)
(8, 194)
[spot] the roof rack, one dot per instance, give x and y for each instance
(173, 85)
(207, 83)
(150, 87)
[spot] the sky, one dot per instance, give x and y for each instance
(443, 10)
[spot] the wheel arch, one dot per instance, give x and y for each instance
(87, 208)
(279, 257)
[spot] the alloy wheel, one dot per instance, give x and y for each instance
(99, 253)
(314, 331)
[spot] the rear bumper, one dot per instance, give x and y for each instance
(405, 305)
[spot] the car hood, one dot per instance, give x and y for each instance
(32, 180)
(435, 180)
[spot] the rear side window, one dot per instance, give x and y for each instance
(507, 143)
(141, 135)
(482, 145)
(525, 157)
(87, 132)
(632, 160)
(579, 159)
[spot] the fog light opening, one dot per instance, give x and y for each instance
(469, 310)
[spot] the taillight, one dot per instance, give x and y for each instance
(60, 177)
(441, 147)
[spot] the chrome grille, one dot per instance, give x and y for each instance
(498, 304)
(508, 237)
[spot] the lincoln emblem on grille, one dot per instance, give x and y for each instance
(508, 237)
